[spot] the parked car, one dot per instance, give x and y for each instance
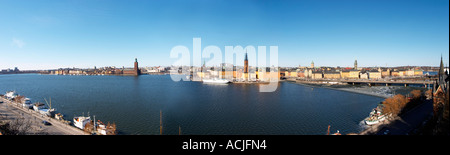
(46, 123)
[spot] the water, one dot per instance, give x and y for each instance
(134, 104)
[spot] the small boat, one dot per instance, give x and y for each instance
(337, 133)
(108, 129)
(11, 94)
(59, 116)
(375, 116)
(42, 109)
(218, 81)
(38, 105)
(27, 104)
(81, 121)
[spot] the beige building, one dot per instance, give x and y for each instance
(395, 73)
(410, 72)
(293, 74)
(331, 75)
(386, 73)
(354, 74)
(345, 74)
(308, 73)
(364, 75)
(75, 72)
(402, 73)
(317, 75)
(374, 74)
(418, 72)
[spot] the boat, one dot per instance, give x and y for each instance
(27, 104)
(375, 116)
(81, 121)
(218, 81)
(37, 106)
(11, 94)
(108, 129)
(59, 116)
(42, 109)
(374, 120)
(336, 133)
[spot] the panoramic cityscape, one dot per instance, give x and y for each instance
(224, 68)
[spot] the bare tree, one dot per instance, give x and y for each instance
(14, 127)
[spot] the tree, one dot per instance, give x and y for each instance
(17, 126)
(394, 105)
(416, 94)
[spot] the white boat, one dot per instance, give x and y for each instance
(218, 81)
(375, 117)
(40, 107)
(47, 112)
(11, 94)
(27, 104)
(81, 121)
(372, 121)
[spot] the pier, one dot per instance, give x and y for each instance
(13, 111)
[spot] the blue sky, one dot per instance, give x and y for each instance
(49, 34)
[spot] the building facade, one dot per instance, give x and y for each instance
(331, 75)
(354, 74)
(135, 71)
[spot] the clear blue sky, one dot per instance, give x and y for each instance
(38, 34)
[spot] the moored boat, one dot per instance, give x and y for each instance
(375, 116)
(81, 121)
(11, 94)
(37, 106)
(27, 104)
(42, 109)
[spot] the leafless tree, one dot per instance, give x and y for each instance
(18, 126)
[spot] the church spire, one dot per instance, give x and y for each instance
(246, 56)
(441, 67)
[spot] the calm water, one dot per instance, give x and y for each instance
(134, 103)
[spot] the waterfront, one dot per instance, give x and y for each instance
(134, 103)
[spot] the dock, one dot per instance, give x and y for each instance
(13, 111)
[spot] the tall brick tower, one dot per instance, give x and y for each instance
(136, 67)
(246, 67)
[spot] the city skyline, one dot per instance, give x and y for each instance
(83, 34)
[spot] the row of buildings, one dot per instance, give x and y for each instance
(111, 70)
(234, 73)
(10, 71)
(251, 73)
(350, 73)
(365, 73)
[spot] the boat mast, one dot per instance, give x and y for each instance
(94, 124)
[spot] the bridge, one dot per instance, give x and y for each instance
(388, 82)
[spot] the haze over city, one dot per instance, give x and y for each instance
(84, 34)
